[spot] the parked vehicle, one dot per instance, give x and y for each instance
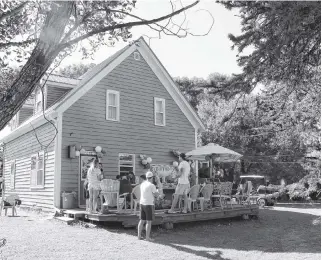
(260, 189)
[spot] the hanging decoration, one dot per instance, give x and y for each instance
(98, 149)
(176, 153)
(145, 161)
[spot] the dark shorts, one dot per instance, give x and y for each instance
(147, 212)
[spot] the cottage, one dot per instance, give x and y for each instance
(128, 105)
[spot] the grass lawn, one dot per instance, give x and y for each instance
(279, 233)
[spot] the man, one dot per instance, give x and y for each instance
(183, 183)
(148, 192)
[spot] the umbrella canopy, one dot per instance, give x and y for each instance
(220, 154)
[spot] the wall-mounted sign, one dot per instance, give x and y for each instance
(163, 170)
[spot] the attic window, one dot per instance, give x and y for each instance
(137, 56)
(38, 101)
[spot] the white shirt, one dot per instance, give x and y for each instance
(147, 189)
(184, 178)
(92, 176)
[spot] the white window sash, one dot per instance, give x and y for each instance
(116, 106)
(127, 165)
(38, 100)
(12, 174)
(162, 112)
(39, 170)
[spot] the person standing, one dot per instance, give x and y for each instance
(183, 183)
(93, 178)
(148, 192)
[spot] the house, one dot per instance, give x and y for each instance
(128, 105)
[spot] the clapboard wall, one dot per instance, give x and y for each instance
(21, 150)
(84, 123)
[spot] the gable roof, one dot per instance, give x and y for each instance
(92, 77)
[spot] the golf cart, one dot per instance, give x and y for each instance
(260, 191)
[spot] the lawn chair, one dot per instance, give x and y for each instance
(223, 191)
(193, 195)
(206, 193)
(9, 202)
(216, 194)
(136, 192)
(244, 197)
(226, 189)
(112, 189)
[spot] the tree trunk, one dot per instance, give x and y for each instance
(39, 61)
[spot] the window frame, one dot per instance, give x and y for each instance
(41, 101)
(34, 172)
(14, 122)
(133, 163)
(117, 93)
(156, 99)
(12, 175)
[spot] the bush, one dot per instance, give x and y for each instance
(309, 187)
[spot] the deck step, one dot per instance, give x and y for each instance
(66, 220)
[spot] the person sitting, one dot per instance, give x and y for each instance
(131, 177)
(125, 187)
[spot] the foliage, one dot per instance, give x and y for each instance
(75, 70)
(283, 39)
(39, 34)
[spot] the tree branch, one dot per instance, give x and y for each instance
(124, 25)
(13, 11)
(16, 44)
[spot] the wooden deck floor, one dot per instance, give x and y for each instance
(128, 219)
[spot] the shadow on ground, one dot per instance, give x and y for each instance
(274, 232)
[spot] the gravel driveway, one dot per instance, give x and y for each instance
(278, 234)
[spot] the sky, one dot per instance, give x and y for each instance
(192, 56)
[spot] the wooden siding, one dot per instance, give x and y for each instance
(21, 150)
(135, 133)
(55, 93)
(24, 114)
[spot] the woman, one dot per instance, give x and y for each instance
(93, 178)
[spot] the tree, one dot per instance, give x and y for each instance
(44, 32)
(283, 38)
(75, 70)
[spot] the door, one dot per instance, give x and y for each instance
(85, 162)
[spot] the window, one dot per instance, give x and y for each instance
(204, 164)
(38, 101)
(12, 174)
(112, 105)
(159, 111)
(14, 122)
(37, 170)
(126, 163)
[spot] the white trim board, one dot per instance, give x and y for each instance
(58, 152)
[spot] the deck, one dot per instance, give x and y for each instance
(129, 219)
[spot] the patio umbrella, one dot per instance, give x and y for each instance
(214, 151)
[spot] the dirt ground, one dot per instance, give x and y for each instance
(280, 233)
